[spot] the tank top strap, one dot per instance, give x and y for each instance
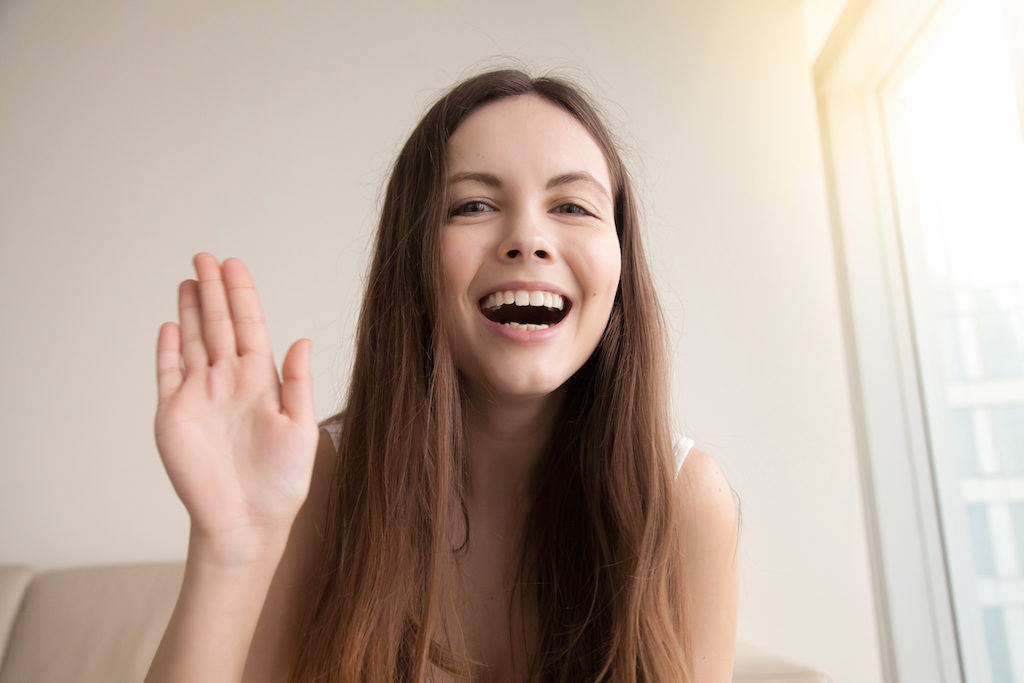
(681, 445)
(334, 430)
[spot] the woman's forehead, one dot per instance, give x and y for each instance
(525, 135)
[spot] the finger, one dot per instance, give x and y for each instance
(297, 383)
(193, 348)
(218, 330)
(168, 361)
(246, 313)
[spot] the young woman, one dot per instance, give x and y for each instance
(501, 499)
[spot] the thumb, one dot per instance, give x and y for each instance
(297, 382)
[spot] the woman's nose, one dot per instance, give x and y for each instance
(513, 254)
(524, 241)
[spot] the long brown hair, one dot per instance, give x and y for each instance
(603, 550)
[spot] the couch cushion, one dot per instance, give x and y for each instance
(13, 582)
(754, 665)
(95, 624)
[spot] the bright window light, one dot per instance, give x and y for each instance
(959, 127)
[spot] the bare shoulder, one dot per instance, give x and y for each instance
(710, 512)
(292, 590)
(711, 564)
(707, 497)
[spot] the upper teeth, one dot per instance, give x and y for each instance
(522, 297)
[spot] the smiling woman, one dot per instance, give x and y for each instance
(530, 219)
(501, 498)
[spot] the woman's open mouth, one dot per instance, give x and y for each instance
(527, 310)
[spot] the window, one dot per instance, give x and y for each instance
(953, 131)
(922, 107)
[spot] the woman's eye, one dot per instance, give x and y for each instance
(470, 208)
(573, 209)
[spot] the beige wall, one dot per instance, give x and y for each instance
(134, 134)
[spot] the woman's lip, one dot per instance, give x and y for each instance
(521, 336)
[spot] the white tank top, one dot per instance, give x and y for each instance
(681, 445)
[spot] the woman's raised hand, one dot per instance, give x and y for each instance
(237, 442)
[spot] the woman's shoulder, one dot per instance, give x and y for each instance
(703, 485)
(709, 500)
(711, 529)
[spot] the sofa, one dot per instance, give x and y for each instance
(103, 624)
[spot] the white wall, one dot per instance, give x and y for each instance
(134, 134)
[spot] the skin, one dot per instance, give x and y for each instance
(243, 452)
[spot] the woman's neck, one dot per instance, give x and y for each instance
(505, 438)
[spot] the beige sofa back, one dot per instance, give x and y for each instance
(103, 625)
(98, 624)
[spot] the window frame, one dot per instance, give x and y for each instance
(871, 48)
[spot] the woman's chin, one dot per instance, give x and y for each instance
(513, 387)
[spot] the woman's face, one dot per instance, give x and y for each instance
(530, 254)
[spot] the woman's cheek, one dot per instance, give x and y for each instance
(607, 268)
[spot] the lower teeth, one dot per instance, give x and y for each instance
(529, 327)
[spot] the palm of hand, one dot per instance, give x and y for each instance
(237, 443)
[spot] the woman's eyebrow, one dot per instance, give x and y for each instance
(562, 179)
(575, 177)
(485, 178)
